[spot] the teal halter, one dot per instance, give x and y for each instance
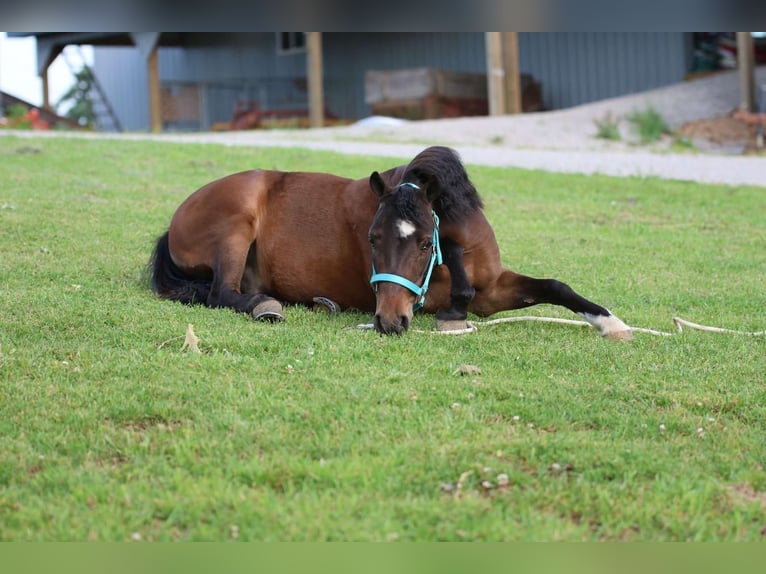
(436, 259)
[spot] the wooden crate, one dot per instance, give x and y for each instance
(180, 105)
(431, 107)
(427, 93)
(424, 93)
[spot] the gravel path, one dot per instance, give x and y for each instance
(703, 168)
(560, 141)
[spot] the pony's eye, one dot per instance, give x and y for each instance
(427, 245)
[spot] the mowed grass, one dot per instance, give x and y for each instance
(312, 430)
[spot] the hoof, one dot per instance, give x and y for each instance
(325, 305)
(609, 326)
(269, 310)
(619, 335)
(451, 324)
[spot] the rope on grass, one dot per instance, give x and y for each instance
(473, 326)
(680, 323)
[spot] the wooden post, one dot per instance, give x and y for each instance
(155, 102)
(745, 58)
(495, 73)
(511, 71)
(46, 88)
(314, 74)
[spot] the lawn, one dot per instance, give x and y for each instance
(312, 430)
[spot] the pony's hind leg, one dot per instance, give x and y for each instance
(261, 306)
(231, 276)
(514, 291)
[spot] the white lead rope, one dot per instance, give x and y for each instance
(679, 323)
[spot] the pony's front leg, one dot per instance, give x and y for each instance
(513, 291)
(461, 291)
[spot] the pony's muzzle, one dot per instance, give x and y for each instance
(393, 309)
(397, 326)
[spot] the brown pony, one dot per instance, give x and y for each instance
(254, 239)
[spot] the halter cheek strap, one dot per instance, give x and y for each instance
(436, 259)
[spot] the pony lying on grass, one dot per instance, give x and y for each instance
(410, 238)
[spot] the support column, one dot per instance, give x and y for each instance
(46, 89)
(745, 63)
(315, 81)
(496, 85)
(47, 51)
(503, 78)
(511, 70)
(155, 101)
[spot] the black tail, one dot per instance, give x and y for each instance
(169, 282)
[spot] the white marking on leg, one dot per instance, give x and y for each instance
(606, 324)
(405, 228)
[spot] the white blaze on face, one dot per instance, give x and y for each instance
(405, 228)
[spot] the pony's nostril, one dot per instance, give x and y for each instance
(397, 327)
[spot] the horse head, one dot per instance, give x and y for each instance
(404, 238)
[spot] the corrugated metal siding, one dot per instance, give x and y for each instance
(122, 74)
(573, 67)
(251, 70)
(225, 73)
(578, 67)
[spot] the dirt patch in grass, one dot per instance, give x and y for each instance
(743, 493)
(725, 131)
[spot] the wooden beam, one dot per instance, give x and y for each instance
(511, 71)
(46, 88)
(496, 86)
(745, 63)
(155, 101)
(314, 74)
(46, 55)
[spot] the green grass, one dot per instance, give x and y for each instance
(608, 127)
(649, 125)
(313, 430)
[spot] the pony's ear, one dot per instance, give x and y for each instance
(377, 185)
(432, 188)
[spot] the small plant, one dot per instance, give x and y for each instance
(649, 125)
(682, 143)
(80, 99)
(17, 117)
(607, 128)
(16, 111)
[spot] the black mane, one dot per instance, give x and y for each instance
(407, 205)
(457, 197)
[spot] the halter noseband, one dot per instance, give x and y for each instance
(436, 259)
